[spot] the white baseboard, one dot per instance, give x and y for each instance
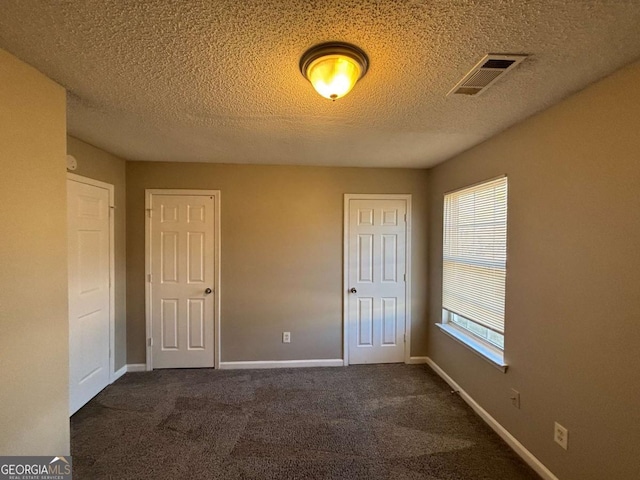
(525, 454)
(417, 360)
(137, 367)
(119, 373)
(338, 362)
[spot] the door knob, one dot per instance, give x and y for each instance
(353, 290)
(208, 291)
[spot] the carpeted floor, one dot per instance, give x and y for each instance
(395, 422)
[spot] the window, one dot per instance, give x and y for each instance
(474, 262)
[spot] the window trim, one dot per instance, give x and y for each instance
(482, 348)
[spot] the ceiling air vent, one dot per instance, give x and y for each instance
(486, 71)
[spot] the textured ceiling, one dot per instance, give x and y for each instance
(218, 81)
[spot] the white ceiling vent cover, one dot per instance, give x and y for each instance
(485, 72)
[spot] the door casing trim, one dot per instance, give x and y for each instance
(345, 273)
(216, 267)
(112, 266)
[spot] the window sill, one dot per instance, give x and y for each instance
(484, 351)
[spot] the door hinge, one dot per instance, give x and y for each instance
(149, 210)
(150, 341)
(405, 338)
(405, 218)
(405, 278)
(149, 277)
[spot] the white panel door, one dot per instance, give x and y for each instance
(89, 305)
(376, 280)
(182, 281)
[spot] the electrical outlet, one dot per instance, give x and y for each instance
(286, 337)
(561, 435)
(515, 398)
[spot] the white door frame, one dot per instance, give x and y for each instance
(216, 270)
(112, 265)
(345, 275)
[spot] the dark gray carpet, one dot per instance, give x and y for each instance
(396, 422)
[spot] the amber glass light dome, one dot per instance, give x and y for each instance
(334, 68)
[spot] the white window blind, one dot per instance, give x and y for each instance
(475, 253)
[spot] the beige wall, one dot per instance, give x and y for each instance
(573, 280)
(106, 167)
(34, 338)
(281, 253)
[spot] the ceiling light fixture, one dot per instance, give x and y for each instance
(334, 68)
